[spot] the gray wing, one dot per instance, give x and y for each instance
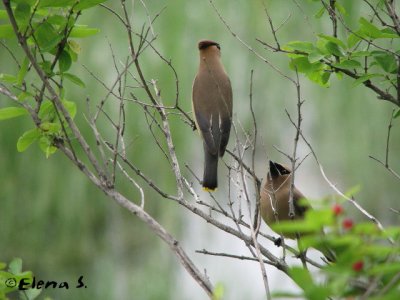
(225, 116)
(203, 109)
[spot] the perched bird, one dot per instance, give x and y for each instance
(274, 201)
(212, 106)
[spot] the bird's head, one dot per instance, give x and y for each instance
(276, 169)
(204, 44)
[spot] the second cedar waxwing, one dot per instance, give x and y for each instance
(274, 201)
(212, 106)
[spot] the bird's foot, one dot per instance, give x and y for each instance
(278, 241)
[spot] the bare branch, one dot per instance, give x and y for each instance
(240, 257)
(351, 200)
(235, 35)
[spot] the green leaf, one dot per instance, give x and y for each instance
(30, 2)
(320, 13)
(47, 37)
(348, 64)
(302, 277)
(305, 47)
(218, 292)
(392, 294)
(8, 78)
(369, 29)
(15, 266)
(365, 77)
(49, 127)
(285, 295)
(74, 46)
(22, 72)
(12, 112)
(56, 3)
(303, 65)
(393, 232)
(315, 56)
(32, 294)
(396, 114)
(82, 31)
(347, 241)
(64, 62)
(333, 49)
(3, 14)
(380, 251)
(70, 106)
(333, 40)
(47, 146)
(27, 139)
(58, 20)
(320, 77)
(386, 60)
(72, 54)
(353, 39)
(369, 229)
(46, 67)
(73, 49)
(389, 33)
(73, 78)
(320, 218)
(24, 95)
(85, 4)
(6, 31)
(360, 53)
(46, 111)
(340, 8)
(22, 13)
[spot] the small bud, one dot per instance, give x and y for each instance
(337, 209)
(347, 224)
(358, 266)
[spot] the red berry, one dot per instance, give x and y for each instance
(347, 224)
(358, 266)
(337, 209)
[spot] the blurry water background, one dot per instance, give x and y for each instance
(63, 227)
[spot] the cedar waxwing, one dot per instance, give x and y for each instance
(212, 106)
(275, 194)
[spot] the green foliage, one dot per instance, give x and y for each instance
(48, 27)
(218, 292)
(12, 112)
(368, 51)
(27, 139)
(50, 30)
(11, 277)
(364, 254)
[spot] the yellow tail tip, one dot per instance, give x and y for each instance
(206, 189)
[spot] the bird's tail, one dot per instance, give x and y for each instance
(210, 177)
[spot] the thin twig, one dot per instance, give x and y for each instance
(240, 257)
(251, 49)
(388, 139)
(351, 200)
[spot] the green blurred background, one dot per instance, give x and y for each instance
(63, 227)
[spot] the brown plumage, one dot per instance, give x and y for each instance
(212, 106)
(275, 194)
